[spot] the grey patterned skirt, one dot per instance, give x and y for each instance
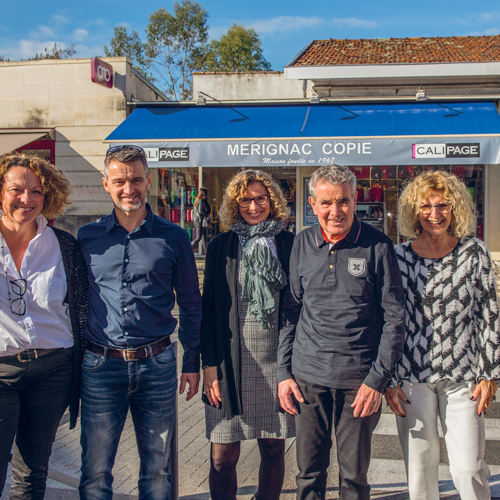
(258, 354)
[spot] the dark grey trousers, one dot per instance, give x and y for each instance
(326, 409)
(33, 398)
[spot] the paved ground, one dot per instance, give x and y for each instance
(386, 472)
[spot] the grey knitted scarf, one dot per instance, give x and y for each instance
(264, 275)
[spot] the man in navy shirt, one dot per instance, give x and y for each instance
(336, 360)
(138, 264)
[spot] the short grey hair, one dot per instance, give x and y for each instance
(126, 155)
(332, 174)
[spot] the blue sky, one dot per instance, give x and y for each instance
(27, 27)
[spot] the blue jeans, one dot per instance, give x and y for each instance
(109, 388)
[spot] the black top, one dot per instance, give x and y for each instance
(351, 327)
(77, 300)
(220, 336)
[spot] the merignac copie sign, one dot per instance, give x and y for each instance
(313, 152)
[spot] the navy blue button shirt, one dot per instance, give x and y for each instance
(132, 280)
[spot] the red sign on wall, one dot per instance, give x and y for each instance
(101, 73)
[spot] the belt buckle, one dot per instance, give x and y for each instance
(127, 351)
(28, 352)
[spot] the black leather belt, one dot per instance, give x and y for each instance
(142, 352)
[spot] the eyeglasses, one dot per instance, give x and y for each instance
(117, 149)
(18, 306)
(259, 200)
(443, 207)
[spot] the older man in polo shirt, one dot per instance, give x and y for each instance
(335, 361)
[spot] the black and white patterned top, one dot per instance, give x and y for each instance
(451, 316)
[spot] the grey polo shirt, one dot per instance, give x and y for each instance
(352, 322)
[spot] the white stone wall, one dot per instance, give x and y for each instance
(252, 85)
(60, 94)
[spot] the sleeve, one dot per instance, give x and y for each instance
(290, 314)
(486, 317)
(187, 291)
(391, 301)
(208, 327)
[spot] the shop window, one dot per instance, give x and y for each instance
(380, 186)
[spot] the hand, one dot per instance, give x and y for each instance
(393, 397)
(485, 391)
(288, 391)
(211, 386)
(193, 379)
(367, 401)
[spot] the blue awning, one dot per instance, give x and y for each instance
(353, 134)
(308, 121)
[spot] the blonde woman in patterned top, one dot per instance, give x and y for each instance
(451, 358)
(244, 291)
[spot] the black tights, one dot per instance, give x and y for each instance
(224, 458)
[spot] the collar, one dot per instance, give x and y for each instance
(352, 235)
(148, 221)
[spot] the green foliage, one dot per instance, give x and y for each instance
(56, 52)
(171, 40)
(176, 45)
(238, 50)
(128, 45)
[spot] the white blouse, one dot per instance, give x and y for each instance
(46, 324)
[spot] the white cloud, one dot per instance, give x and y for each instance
(98, 22)
(487, 16)
(89, 50)
(80, 34)
(283, 24)
(488, 32)
(45, 31)
(352, 22)
(24, 49)
(28, 48)
(61, 19)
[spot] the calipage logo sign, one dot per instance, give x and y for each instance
(456, 150)
(167, 154)
(101, 73)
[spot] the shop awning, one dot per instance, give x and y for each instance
(351, 134)
(11, 139)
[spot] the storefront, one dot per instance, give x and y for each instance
(385, 144)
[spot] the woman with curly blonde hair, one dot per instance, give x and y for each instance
(43, 306)
(245, 287)
(451, 357)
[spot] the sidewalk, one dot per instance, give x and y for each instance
(386, 475)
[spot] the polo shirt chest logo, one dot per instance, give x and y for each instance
(357, 267)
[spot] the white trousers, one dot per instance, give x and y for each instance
(464, 436)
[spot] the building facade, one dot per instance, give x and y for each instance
(53, 108)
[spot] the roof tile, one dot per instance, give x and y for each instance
(401, 51)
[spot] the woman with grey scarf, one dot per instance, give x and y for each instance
(244, 290)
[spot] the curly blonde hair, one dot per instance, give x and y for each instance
(463, 215)
(54, 185)
(234, 192)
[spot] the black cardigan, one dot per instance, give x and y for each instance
(220, 336)
(77, 300)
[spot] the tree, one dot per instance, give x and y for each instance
(124, 45)
(56, 52)
(238, 50)
(171, 40)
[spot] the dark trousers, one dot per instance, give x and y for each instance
(322, 407)
(201, 236)
(33, 398)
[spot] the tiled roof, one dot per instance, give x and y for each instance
(401, 51)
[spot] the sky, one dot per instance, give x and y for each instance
(285, 27)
